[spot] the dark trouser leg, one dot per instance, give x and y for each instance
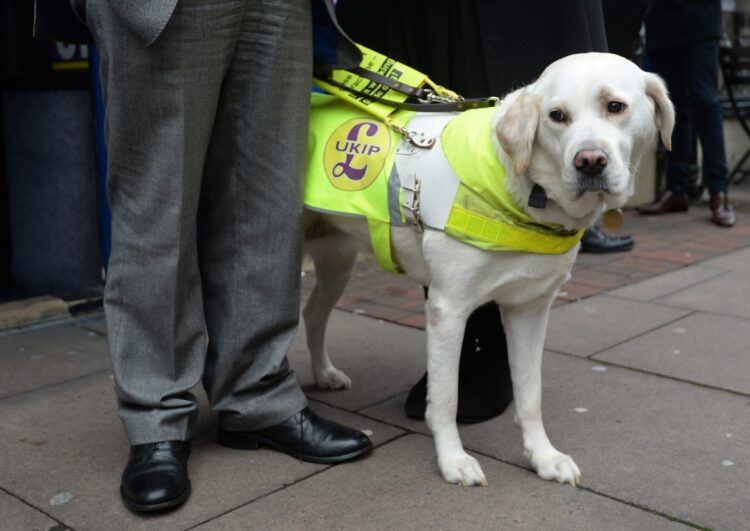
(250, 218)
(702, 66)
(670, 65)
(160, 105)
(162, 102)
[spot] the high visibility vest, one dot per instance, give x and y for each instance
(358, 166)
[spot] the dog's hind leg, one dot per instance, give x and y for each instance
(525, 328)
(334, 258)
(445, 330)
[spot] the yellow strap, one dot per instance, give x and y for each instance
(385, 66)
(484, 232)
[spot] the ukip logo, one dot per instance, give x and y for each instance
(356, 153)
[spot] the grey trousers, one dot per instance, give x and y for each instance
(206, 129)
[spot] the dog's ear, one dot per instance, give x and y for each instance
(516, 127)
(663, 108)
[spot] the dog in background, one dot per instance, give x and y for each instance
(577, 134)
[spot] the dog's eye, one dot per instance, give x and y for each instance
(558, 116)
(615, 107)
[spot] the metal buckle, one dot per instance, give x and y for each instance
(433, 97)
(411, 187)
(419, 140)
(414, 138)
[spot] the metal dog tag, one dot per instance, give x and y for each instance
(612, 219)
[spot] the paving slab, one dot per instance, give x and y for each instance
(95, 324)
(662, 285)
(15, 514)
(382, 359)
(670, 446)
(734, 261)
(705, 348)
(62, 449)
(594, 324)
(727, 294)
(399, 489)
(48, 356)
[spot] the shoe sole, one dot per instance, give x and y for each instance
(171, 504)
(244, 441)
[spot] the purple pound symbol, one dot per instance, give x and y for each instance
(344, 168)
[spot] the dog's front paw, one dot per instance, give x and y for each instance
(463, 469)
(332, 378)
(554, 465)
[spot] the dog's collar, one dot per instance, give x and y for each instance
(612, 218)
(537, 197)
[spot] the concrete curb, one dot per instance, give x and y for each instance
(27, 312)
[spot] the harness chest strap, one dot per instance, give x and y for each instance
(428, 183)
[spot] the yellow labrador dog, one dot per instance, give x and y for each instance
(578, 133)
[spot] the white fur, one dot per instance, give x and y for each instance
(534, 149)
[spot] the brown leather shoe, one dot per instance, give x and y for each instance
(722, 213)
(667, 203)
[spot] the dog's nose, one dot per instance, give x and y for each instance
(591, 162)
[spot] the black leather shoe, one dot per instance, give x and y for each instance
(156, 477)
(305, 436)
(484, 386)
(595, 240)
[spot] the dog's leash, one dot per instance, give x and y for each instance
(437, 99)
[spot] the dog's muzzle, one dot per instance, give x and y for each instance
(591, 165)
